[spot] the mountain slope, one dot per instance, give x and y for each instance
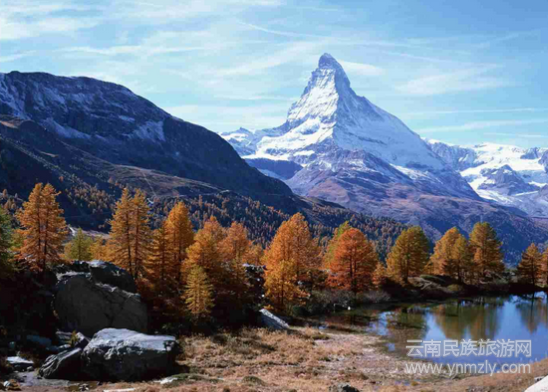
(113, 124)
(358, 155)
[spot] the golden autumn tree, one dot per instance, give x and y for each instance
(236, 250)
(281, 286)
(255, 254)
(486, 250)
(409, 255)
(544, 268)
(130, 234)
(160, 269)
(79, 248)
(442, 258)
(462, 268)
(379, 275)
(206, 253)
(451, 255)
(530, 266)
(43, 228)
(293, 243)
(199, 293)
(122, 235)
(142, 232)
(330, 252)
(236, 244)
(353, 263)
(181, 236)
(98, 249)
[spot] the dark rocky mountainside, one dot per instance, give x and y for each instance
(117, 126)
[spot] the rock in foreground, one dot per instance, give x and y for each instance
(124, 355)
(62, 366)
(271, 321)
(86, 302)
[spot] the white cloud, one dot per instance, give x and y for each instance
(17, 56)
(470, 79)
(362, 69)
(433, 113)
(224, 118)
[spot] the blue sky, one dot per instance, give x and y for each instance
(458, 71)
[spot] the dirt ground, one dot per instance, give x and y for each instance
(304, 360)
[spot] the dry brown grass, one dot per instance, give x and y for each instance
(307, 360)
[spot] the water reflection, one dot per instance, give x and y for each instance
(470, 319)
(484, 318)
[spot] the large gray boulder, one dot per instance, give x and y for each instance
(64, 366)
(124, 355)
(84, 305)
(271, 321)
(108, 273)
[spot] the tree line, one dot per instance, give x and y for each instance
(196, 273)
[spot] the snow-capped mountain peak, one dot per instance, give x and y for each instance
(329, 114)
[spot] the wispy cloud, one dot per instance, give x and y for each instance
(457, 81)
(479, 125)
(362, 69)
(431, 113)
(16, 56)
(520, 135)
(227, 117)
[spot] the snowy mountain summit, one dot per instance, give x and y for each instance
(330, 115)
(329, 122)
(339, 146)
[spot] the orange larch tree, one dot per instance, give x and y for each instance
(43, 228)
(294, 243)
(181, 236)
(353, 263)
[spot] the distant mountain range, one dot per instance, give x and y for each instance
(338, 146)
(508, 175)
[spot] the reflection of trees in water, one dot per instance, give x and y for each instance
(533, 311)
(477, 319)
(407, 323)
